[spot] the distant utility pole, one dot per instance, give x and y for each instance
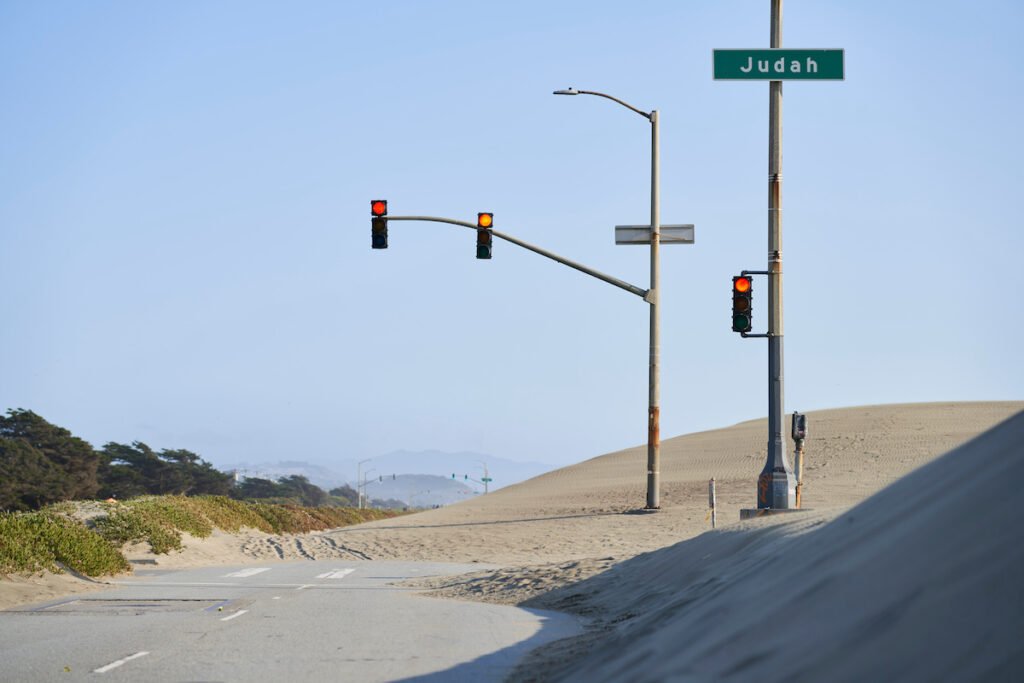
(486, 478)
(359, 482)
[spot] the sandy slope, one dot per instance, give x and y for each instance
(577, 512)
(922, 582)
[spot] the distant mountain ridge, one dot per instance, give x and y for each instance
(501, 471)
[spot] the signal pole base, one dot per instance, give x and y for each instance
(776, 489)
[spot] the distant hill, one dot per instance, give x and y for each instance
(438, 463)
(419, 490)
(502, 472)
(323, 477)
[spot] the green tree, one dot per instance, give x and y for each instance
(70, 470)
(27, 477)
(306, 493)
(254, 487)
(346, 494)
(135, 470)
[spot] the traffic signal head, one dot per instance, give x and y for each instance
(799, 426)
(742, 313)
(484, 222)
(378, 223)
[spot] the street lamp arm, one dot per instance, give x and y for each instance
(627, 105)
(621, 284)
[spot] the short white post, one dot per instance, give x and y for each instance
(713, 502)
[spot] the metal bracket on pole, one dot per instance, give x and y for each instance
(747, 335)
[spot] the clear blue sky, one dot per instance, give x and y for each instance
(185, 233)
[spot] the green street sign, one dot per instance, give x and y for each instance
(778, 64)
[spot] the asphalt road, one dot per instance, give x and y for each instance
(298, 621)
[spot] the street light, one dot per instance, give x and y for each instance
(359, 479)
(654, 409)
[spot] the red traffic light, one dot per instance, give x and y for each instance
(484, 220)
(379, 207)
(742, 293)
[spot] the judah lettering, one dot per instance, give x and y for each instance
(779, 67)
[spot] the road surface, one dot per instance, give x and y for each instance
(298, 621)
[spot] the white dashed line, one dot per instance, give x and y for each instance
(242, 573)
(236, 614)
(114, 665)
(335, 574)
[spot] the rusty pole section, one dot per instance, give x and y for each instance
(776, 487)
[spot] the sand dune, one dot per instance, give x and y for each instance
(922, 582)
(578, 512)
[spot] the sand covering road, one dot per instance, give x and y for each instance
(565, 540)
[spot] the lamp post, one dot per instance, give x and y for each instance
(359, 482)
(366, 476)
(652, 297)
(486, 480)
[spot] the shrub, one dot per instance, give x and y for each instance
(44, 541)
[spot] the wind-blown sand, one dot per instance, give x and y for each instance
(569, 540)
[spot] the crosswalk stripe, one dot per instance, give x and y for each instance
(242, 573)
(335, 574)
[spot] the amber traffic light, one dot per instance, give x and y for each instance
(742, 313)
(484, 222)
(379, 224)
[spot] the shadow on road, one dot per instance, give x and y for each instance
(498, 665)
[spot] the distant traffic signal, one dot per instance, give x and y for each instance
(484, 222)
(742, 309)
(379, 224)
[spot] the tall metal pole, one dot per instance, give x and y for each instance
(359, 482)
(652, 297)
(654, 409)
(776, 486)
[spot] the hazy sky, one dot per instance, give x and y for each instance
(185, 232)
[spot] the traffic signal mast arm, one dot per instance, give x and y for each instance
(633, 289)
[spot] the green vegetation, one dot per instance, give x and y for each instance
(41, 463)
(50, 539)
(32, 542)
(43, 468)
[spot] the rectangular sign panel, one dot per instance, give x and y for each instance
(779, 64)
(641, 234)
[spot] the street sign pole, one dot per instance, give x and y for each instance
(654, 407)
(776, 485)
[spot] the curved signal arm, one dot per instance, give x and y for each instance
(621, 284)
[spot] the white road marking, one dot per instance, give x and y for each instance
(305, 585)
(335, 574)
(242, 573)
(114, 665)
(236, 614)
(276, 597)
